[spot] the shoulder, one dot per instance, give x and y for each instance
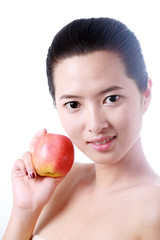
(70, 186)
(150, 194)
(78, 175)
(80, 169)
(79, 172)
(150, 212)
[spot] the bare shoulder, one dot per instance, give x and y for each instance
(79, 173)
(151, 195)
(150, 211)
(153, 191)
(80, 170)
(76, 177)
(65, 192)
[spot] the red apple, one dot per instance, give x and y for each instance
(53, 155)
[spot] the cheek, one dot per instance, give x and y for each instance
(128, 116)
(75, 131)
(70, 125)
(129, 122)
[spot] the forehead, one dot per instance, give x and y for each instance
(90, 70)
(102, 59)
(106, 57)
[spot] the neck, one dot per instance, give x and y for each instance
(130, 171)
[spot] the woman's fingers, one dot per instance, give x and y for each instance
(27, 159)
(24, 166)
(35, 138)
(19, 168)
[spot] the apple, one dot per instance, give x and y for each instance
(53, 155)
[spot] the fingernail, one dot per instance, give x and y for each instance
(32, 175)
(26, 172)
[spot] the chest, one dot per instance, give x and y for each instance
(104, 219)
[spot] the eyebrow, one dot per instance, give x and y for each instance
(67, 96)
(112, 88)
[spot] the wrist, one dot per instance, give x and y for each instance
(25, 213)
(21, 224)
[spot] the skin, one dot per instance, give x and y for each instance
(116, 197)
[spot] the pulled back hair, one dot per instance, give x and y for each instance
(84, 36)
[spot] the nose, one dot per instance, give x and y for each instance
(96, 119)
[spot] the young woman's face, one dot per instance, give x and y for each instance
(99, 106)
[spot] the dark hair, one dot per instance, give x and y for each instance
(83, 36)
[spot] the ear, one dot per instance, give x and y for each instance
(146, 96)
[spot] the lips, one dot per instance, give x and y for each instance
(103, 143)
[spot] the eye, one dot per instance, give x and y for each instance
(73, 105)
(110, 100)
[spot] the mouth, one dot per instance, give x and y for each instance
(102, 140)
(103, 143)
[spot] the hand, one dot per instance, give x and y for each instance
(31, 191)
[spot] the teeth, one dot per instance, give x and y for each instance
(100, 143)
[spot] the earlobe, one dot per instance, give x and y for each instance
(147, 96)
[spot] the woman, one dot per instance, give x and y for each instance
(99, 83)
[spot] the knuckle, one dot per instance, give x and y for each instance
(38, 134)
(18, 164)
(27, 158)
(35, 138)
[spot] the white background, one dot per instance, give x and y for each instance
(26, 31)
